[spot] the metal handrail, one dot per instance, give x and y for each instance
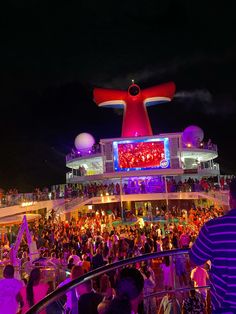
(98, 272)
(158, 293)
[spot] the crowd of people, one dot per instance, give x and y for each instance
(77, 246)
(94, 241)
(13, 197)
(153, 185)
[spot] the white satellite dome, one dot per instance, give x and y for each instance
(193, 135)
(84, 142)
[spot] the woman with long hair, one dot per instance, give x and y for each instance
(105, 287)
(34, 291)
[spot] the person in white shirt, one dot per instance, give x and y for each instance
(76, 258)
(9, 291)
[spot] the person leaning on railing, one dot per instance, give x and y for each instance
(217, 242)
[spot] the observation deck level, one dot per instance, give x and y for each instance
(123, 158)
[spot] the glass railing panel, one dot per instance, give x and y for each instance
(179, 300)
(164, 272)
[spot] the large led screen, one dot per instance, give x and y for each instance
(141, 154)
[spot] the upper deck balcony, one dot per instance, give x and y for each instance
(96, 150)
(202, 152)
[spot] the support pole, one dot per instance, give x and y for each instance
(166, 190)
(121, 202)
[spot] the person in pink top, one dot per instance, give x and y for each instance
(34, 291)
(199, 275)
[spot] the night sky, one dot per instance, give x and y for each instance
(52, 55)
